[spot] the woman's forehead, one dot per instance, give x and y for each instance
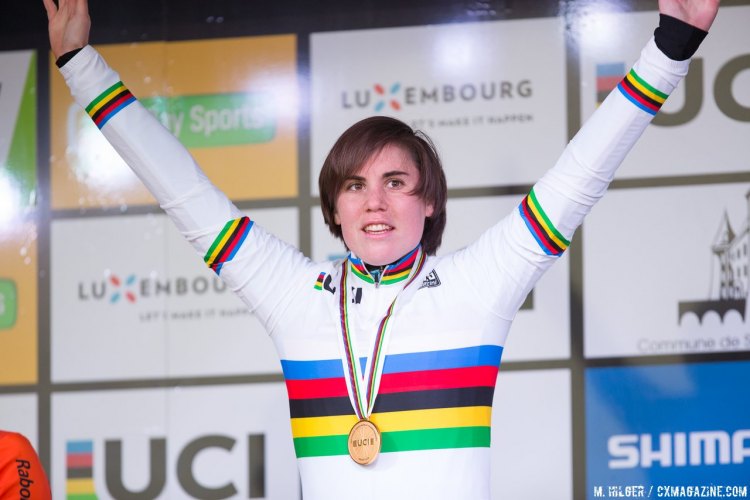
(390, 158)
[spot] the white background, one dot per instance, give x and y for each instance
(180, 415)
(531, 443)
(113, 342)
(646, 250)
(429, 56)
(709, 144)
(18, 414)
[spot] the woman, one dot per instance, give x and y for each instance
(391, 355)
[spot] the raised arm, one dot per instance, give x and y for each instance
(698, 13)
(524, 244)
(260, 268)
(69, 25)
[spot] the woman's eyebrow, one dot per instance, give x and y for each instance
(391, 173)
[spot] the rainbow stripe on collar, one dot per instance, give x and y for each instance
(109, 103)
(393, 273)
(639, 92)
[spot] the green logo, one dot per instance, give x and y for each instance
(8, 303)
(216, 120)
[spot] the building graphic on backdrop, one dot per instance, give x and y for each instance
(730, 283)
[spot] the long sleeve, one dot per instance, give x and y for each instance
(263, 270)
(524, 244)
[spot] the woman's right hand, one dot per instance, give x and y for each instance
(69, 25)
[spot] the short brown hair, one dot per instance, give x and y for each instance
(368, 137)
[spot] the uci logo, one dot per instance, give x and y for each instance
(196, 477)
(725, 99)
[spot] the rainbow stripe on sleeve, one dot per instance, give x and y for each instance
(639, 92)
(109, 103)
(541, 228)
(227, 243)
(427, 400)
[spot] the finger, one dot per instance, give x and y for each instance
(83, 6)
(50, 7)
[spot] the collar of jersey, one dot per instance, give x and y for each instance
(393, 273)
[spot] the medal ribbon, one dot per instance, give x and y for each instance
(365, 402)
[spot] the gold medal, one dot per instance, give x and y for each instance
(364, 438)
(364, 442)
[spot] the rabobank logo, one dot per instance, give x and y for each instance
(189, 476)
(8, 303)
(686, 424)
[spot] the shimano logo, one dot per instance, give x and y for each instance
(679, 449)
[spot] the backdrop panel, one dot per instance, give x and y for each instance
(174, 443)
(666, 271)
(152, 307)
(237, 115)
(704, 125)
(486, 104)
(656, 426)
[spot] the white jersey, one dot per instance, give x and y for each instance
(447, 330)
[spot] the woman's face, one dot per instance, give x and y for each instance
(381, 219)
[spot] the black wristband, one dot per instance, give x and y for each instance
(677, 39)
(63, 59)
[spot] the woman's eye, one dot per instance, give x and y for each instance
(354, 186)
(395, 183)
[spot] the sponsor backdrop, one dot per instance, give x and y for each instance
(237, 115)
(525, 429)
(152, 307)
(716, 93)
(682, 425)
(18, 413)
(18, 227)
(154, 443)
(465, 85)
(135, 371)
(697, 303)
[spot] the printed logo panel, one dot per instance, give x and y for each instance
(154, 444)
(662, 426)
(540, 330)
(18, 302)
(667, 271)
(17, 135)
(237, 116)
(712, 104)
(8, 304)
(465, 85)
(152, 307)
